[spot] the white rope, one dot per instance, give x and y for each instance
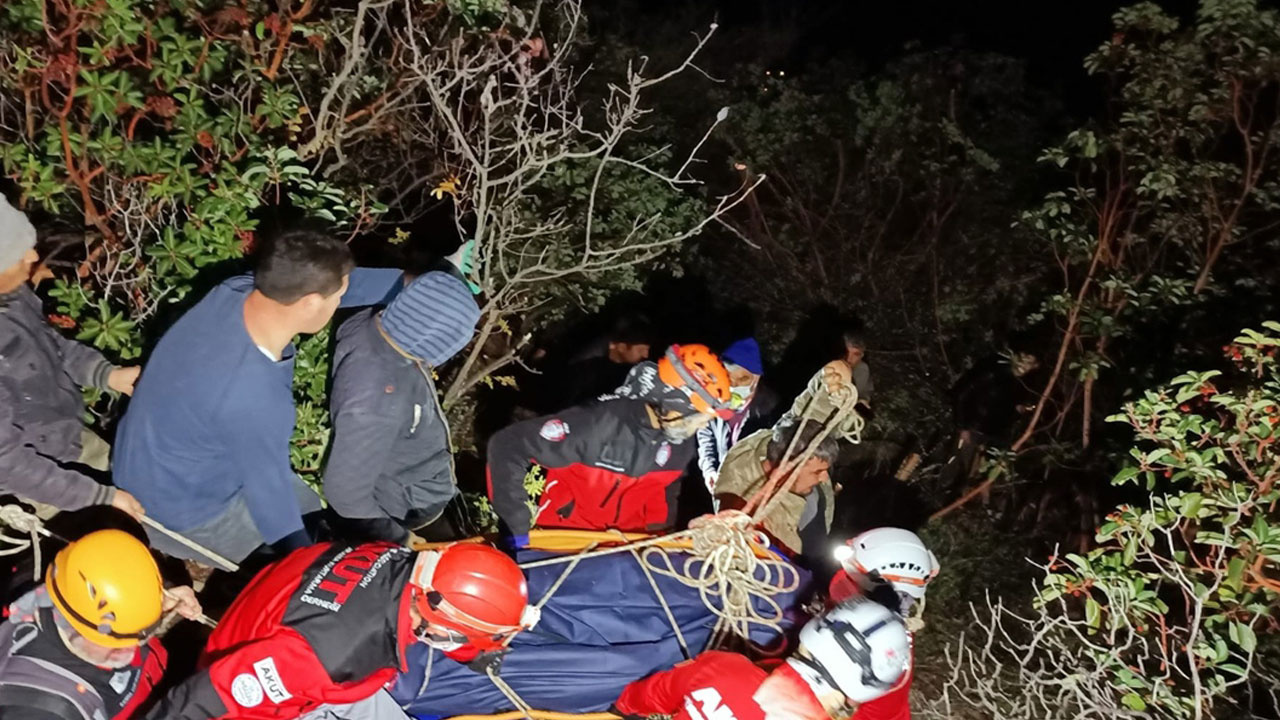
(728, 565)
(662, 599)
(19, 519)
(218, 559)
(511, 694)
(730, 576)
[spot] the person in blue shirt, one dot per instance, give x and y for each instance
(204, 445)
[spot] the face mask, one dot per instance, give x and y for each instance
(440, 638)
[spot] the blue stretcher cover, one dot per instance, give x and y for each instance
(603, 629)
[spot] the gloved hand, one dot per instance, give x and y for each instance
(464, 259)
(491, 660)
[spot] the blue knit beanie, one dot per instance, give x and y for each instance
(744, 353)
(433, 318)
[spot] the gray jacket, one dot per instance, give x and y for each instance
(41, 408)
(390, 456)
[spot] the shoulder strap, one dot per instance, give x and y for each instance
(29, 698)
(34, 683)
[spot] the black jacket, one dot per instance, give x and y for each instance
(390, 456)
(329, 624)
(41, 407)
(606, 467)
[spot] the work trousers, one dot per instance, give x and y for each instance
(379, 706)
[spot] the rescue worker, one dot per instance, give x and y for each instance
(802, 519)
(613, 463)
(326, 629)
(894, 568)
(742, 360)
(44, 444)
(82, 646)
(390, 467)
(851, 655)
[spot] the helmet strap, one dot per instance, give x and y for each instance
(424, 569)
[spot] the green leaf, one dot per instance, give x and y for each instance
(1191, 503)
(1235, 574)
(1092, 613)
(1134, 702)
(1246, 638)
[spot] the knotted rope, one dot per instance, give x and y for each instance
(728, 564)
(21, 520)
(731, 578)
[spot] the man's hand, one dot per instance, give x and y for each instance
(122, 379)
(837, 376)
(183, 601)
(122, 500)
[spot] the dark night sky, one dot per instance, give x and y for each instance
(1052, 37)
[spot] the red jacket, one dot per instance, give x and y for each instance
(328, 624)
(713, 686)
(606, 465)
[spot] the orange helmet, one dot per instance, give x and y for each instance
(471, 594)
(698, 373)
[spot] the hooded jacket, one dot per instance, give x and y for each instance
(41, 407)
(390, 466)
(390, 454)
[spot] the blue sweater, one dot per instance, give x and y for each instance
(212, 416)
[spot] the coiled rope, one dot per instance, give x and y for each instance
(728, 563)
(733, 581)
(18, 519)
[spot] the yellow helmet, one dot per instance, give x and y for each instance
(108, 587)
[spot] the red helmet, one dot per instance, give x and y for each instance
(696, 371)
(471, 594)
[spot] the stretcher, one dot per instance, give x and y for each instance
(604, 627)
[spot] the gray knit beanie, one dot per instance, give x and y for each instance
(17, 234)
(433, 318)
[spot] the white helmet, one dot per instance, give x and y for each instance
(858, 648)
(891, 555)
